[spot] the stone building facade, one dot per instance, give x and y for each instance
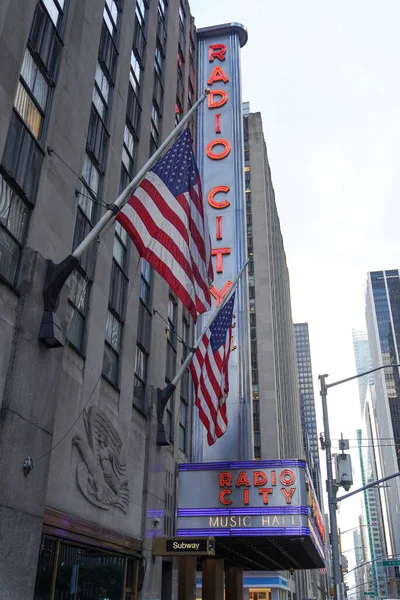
(88, 90)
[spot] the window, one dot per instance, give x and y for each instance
(139, 32)
(154, 129)
(31, 97)
(162, 8)
(89, 189)
(108, 52)
(161, 30)
(101, 92)
(77, 309)
(128, 150)
(158, 61)
(169, 420)
(172, 310)
(112, 348)
(54, 9)
(140, 11)
(116, 305)
(171, 360)
(182, 18)
(97, 139)
(110, 16)
(143, 335)
(13, 220)
(134, 73)
(145, 282)
(183, 415)
(178, 112)
(139, 390)
(133, 111)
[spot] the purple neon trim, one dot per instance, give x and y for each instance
(251, 464)
(155, 513)
(247, 531)
(263, 510)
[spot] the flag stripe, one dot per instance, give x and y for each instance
(209, 369)
(165, 219)
(172, 235)
(160, 266)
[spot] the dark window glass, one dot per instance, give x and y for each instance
(45, 41)
(183, 417)
(133, 111)
(97, 139)
(139, 391)
(112, 348)
(22, 158)
(77, 309)
(107, 52)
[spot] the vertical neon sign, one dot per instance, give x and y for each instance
(220, 159)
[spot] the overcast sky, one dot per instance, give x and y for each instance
(325, 77)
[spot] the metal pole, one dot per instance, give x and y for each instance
(189, 357)
(127, 192)
(366, 487)
(337, 579)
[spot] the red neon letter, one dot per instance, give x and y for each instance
(219, 252)
(287, 477)
(265, 493)
(218, 74)
(218, 228)
(211, 194)
(288, 494)
(259, 478)
(225, 479)
(245, 496)
(218, 123)
(222, 498)
(220, 141)
(217, 103)
(243, 480)
(219, 295)
(216, 51)
(273, 477)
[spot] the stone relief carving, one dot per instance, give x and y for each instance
(102, 474)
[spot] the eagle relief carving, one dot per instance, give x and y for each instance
(102, 474)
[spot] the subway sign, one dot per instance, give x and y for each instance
(188, 546)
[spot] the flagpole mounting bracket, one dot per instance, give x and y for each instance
(162, 399)
(50, 331)
(114, 208)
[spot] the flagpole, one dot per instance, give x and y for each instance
(123, 198)
(57, 274)
(165, 394)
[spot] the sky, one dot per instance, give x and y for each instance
(325, 76)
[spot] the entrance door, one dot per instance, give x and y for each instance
(74, 572)
(260, 594)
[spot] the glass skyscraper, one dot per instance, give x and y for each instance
(383, 323)
(363, 362)
(307, 403)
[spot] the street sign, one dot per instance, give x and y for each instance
(369, 593)
(391, 563)
(183, 546)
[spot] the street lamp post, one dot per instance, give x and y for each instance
(332, 500)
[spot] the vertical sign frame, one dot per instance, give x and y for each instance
(220, 155)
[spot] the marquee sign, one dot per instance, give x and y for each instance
(220, 159)
(271, 498)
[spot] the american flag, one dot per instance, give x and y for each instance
(165, 220)
(209, 369)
